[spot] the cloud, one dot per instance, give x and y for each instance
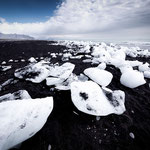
(89, 18)
(2, 20)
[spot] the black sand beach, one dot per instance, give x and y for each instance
(66, 130)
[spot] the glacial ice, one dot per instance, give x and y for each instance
(132, 79)
(21, 94)
(35, 73)
(32, 60)
(5, 68)
(62, 71)
(102, 77)
(144, 67)
(53, 81)
(91, 99)
(20, 120)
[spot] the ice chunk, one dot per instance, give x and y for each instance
(147, 74)
(132, 79)
(34, 72)
(66, 85)
(102, 66)
(102, 77)
(88, 56)
(144, 67)
(82, 77)
(9, 81)
(52, 81)
(125, 68)
(5, 68)
(131, 135)
(20, 120)
(85, 49)
(41, 58)
(118, 62)
(63, 71)
(16, 61)
(87, 60)
(90, 98)
(101, 54)
(3, 63)
(119, 54)
(21, 94)
(53, 55)
(32, 60)
(10, 60)
(49, 147)
(66, 56)
(95, 60)
(22, 60)
(134, 63)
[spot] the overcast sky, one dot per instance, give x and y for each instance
(77, 19)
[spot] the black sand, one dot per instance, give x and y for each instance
(65, 130)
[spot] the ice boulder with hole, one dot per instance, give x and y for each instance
(91, 99)
(35, 73)
(21, 94)
(20, 120)
(132, 79)
(102, 77)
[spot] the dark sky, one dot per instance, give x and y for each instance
(27, 10)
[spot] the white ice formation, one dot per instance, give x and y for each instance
(90, 98)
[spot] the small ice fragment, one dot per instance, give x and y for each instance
(102, 66)
(132, 135)
(32, 60)
(3, 63)
(75, 113)
(132, 111)
(22, 60)
(10, 60)
(97, 118)
(16, 61)
(49, 147)
(147, 74)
